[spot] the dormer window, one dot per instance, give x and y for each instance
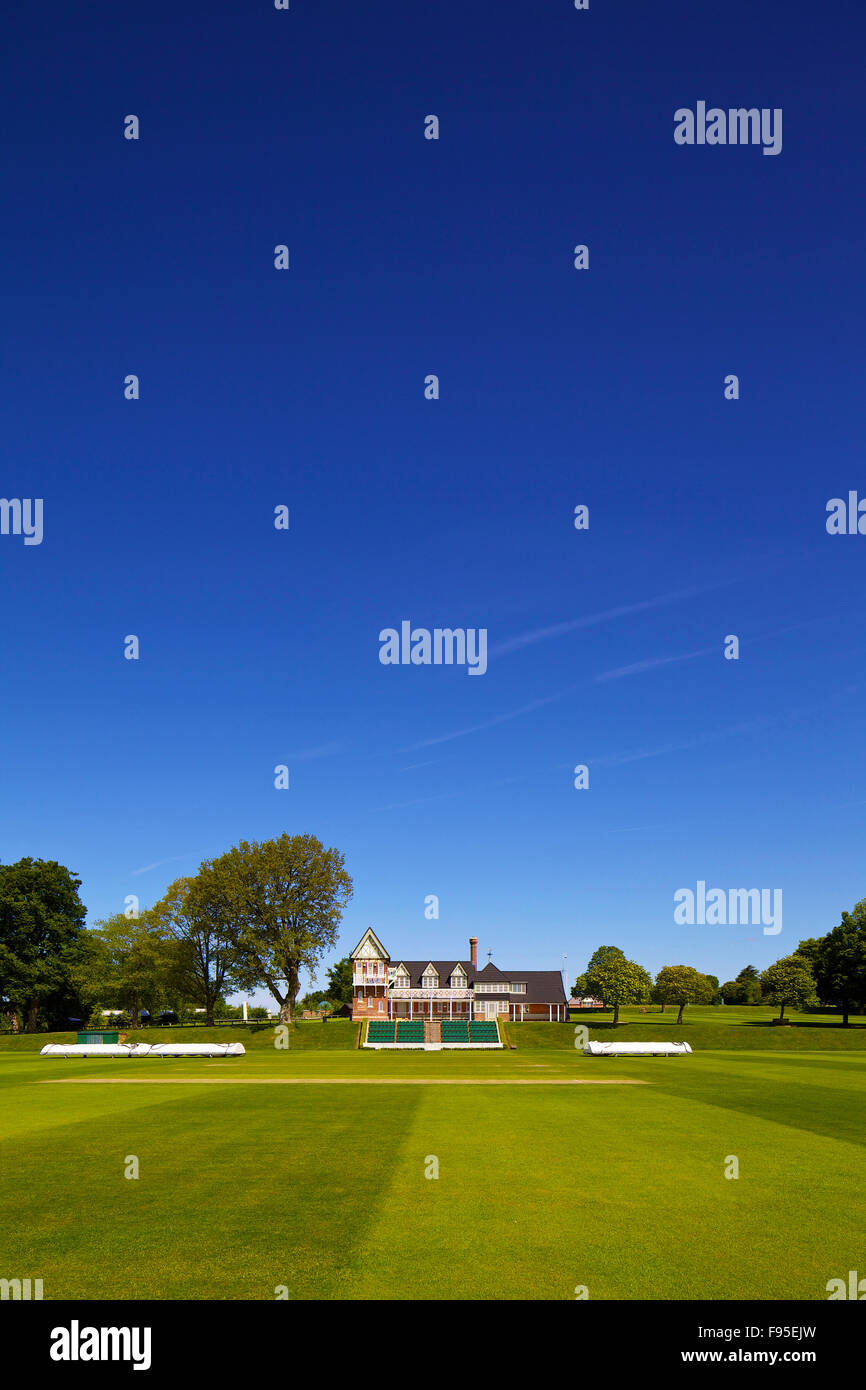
(430, 978)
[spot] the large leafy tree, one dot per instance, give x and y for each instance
(715, 988)
(340, 988)
(745, 989)
(839, 962)
(610, 976)
(789, 981)
(682, 984)
(41, 936)
(132, 965)
(284, 899)
(198, 924)
(749, 981)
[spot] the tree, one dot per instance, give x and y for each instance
(657, 997)
(196, 921)
(340, 988)
(750, 985)
(715, 989)
(41, 932)
(132, 965)
(745, 989)
(284, 900)
(616, 980)
(839, 961)
(789, 981)
(682, 984)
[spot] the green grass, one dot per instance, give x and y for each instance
(704, 1027)
(338, 1033)
(321, 1187)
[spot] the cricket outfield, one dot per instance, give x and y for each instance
(336, 1187)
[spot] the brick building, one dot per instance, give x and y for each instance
(383, 988)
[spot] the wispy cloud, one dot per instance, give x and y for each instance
(158, 863)
(491, 723)
(625, 610)
(633, 669)
(709, 736)
(652, 662)
(748, 726)
(421, 801)
(320, 750)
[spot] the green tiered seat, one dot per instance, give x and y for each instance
(481, 1031)
(380, 1031)
(410, 1032)
(455, 1030)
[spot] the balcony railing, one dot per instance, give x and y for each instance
(401, 992)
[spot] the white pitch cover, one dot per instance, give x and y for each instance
(234, 1049)
(636, 1049)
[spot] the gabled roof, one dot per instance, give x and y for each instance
(416, 969)
(542, 986)
(370, 935)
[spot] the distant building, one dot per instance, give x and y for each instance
(320, 1012)
(443, 989)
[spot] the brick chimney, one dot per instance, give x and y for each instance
(473, 950)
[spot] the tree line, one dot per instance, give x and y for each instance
(252, 918)
(258, 915)
(828, 970)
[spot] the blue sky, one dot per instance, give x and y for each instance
(558, 387)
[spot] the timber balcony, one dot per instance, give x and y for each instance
(403, 992)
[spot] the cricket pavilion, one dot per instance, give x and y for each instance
(437, 991)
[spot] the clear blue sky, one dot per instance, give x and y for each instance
(558, 387)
